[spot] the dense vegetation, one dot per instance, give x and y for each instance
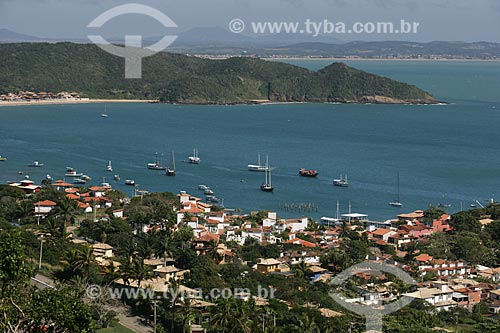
(181, 79)
(72, 266)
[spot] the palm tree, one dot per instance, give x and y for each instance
(67, 209)
(139, 271)
(79, 261)
(24, 209)
(301, 268)
(165, 248)
(222, 318)
(306, 325)
(53, 226)
(186, 314)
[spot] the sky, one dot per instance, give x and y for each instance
(451, 20)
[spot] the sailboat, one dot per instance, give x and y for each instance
(171, 167)
(156, 165)
(258, 166)
(267, 186)
(396, 203)
(195, 159)
(109, 167)
(342, 181)
(104, 115)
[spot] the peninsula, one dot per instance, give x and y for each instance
(174, 78)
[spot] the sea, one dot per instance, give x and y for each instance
(443, 154)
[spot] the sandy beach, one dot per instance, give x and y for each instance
(75, 101)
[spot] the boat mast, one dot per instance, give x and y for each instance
(173, 160)
(268, 173)
(398, 187)
(350, 209)
(338, 210)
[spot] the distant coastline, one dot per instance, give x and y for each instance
(378, 59)
(75, 101)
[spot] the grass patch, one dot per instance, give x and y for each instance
(116, 328)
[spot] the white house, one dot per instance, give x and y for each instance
(440, 296)
(42, 208)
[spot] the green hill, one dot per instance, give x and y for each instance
(87, 69)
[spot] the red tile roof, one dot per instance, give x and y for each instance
(46, 203)
(423, 257)
(301, 242)
(381, 232)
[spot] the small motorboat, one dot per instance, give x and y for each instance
(203, 187)
(70, 172)
(79, 181)
(130, 182)
(116, 177)
(35, 164)
(212, 198)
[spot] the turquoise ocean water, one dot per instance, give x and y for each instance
(444, 154)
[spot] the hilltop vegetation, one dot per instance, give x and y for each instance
(175, 78)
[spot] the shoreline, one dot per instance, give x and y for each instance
(76, 101)
(378, 59)
(249, 102)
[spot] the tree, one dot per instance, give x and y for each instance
(306, 324)
(14, 270)
(60, 311)
(66, 208)
(465, 221)
(27, 309)
(79, 261)
(139, 271)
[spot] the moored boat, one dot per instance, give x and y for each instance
(212, 198)
(171, 167)
(157, 164)
(35, 164)
(109, 167)
(79, 181)
(308, 173)
(267, 186)
(258, 166)
(129, 182)
(397, 202)
(342, 181)
(3, 158)
(70, 172)
(195, 159)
